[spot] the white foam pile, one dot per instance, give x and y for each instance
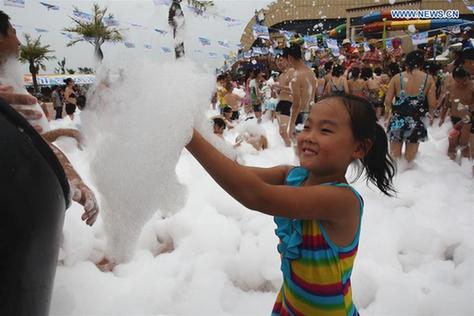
(212, 256)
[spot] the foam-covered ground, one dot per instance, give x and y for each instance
(215, 257)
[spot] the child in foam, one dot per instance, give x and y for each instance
(317, 213)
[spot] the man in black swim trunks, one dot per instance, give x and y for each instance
(285, 98)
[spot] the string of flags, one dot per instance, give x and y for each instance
(87, 17)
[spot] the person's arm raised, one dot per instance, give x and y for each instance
(312, 202)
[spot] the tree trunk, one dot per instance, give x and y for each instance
(34, 71)
(176, 21)
(98, 52)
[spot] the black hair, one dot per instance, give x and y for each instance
(219, 122)
(377, 163)
(337, 71)
(460, 73)
(328, 66)
(67, 80)
(366, 73)
(415, 59)
(227, 109)
(393, 69)
(355, 72)
(294, 51)
(4, 23)
(465, 54)
(378, 71)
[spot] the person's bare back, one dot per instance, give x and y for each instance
(304, 85)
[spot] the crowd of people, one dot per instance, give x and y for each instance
(407, 91)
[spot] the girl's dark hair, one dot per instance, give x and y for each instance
(378, 164)
(4, 23)
(366, 73)
(393, 69)
(460, 73)
(355, 72)
(337, 71)
(328, 66)
(378, 71)
(415, 59)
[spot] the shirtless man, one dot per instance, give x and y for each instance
(285, 98)
(232, 100)
(303, 86)
(459, 100)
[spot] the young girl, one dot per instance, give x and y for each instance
(317, 213)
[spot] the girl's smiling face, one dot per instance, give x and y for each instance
(327, 145)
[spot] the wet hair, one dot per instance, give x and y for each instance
(366, 73)
(219, 122)
(294, 51)
(378, 71)
(4, 23)
(355, 72)
(377, 163)
(337, 71)
(460, 73)
(393, 69)
(67, 80)
(415, 59)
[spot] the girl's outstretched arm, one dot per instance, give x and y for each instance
(328, 203)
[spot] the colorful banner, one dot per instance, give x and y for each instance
(310, 40)
(332, 45)
(420, 38)
(14, 3)
(204, 41)
(223, 44)
(162, 2)
(162, 32)
(81, 15)
(260, 31)
(111, 22)
(53, 80)
(260, 50)
(50, 6)
(287, 34)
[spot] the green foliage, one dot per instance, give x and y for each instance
(95, 32)
(35, 54)
(200, 6)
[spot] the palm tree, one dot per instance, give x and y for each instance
(96, 31)
(35, 54)
(176, 21)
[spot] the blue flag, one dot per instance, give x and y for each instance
(204, 41)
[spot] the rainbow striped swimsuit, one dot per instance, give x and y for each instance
(316, 272)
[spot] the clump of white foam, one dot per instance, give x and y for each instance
(11, 74)
(137, 124)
